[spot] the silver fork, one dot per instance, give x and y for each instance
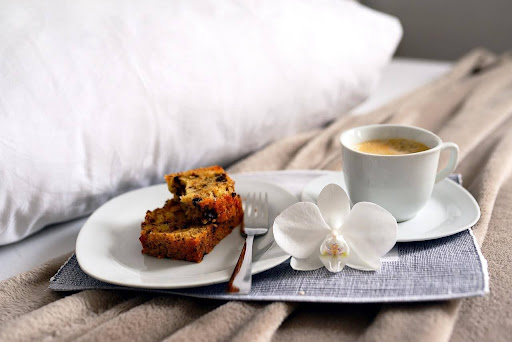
(255, 223)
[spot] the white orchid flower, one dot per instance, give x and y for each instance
(332, 235)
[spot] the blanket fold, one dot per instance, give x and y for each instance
(471, 105)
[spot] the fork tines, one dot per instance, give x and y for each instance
(255, 205)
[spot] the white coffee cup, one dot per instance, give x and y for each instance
(402, 184)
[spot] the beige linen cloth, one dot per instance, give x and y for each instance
(471, 105)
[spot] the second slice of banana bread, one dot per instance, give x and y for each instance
(167, 233)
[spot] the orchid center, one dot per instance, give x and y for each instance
(334, 245)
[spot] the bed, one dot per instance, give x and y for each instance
(308, 81)
(470, 104)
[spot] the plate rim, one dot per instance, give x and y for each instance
(218, 277)
(451, 184)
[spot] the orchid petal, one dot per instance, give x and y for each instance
(370, 232)
(334, 205)
(310, 263)
(300, 229)
(334, 252)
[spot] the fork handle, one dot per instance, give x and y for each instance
(241, 279)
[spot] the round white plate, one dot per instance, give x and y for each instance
(451, 209)
(108, 246)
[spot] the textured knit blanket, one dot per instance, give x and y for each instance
(471, 105)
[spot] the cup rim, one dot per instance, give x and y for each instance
(408, 155)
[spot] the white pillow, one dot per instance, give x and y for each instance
(98, 97)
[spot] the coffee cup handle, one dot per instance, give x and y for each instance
(452, 162)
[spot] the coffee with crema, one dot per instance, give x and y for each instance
(396, 146)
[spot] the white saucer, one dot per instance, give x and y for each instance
(450, 210)
(108, 246)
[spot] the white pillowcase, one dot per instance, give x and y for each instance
(98, 97)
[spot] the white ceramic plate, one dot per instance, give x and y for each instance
(108, 246)
(451, 209)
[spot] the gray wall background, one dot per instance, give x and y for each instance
(438, 29)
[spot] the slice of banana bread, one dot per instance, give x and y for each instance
(167, 233)
(206, 195)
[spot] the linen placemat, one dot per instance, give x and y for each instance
(446, 268)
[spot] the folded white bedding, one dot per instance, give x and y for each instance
(99, 97)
